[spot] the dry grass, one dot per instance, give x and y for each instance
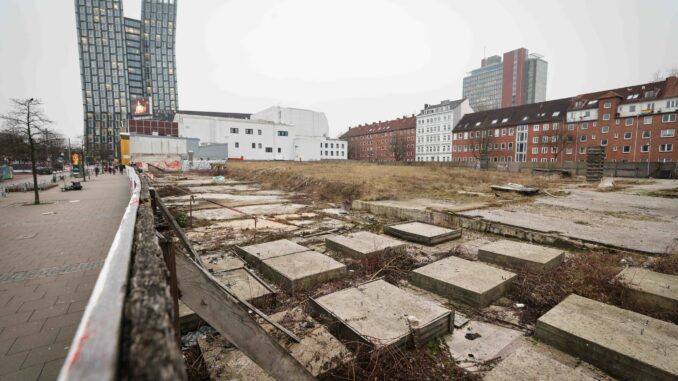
(667, 263)
(347, 181)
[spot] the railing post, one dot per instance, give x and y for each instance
(168, 255)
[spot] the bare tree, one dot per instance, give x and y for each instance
(28, 121)
(480, 145)
(660, 74)
(555, 140)
(398, 146)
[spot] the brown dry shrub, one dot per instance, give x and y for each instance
(667, 263)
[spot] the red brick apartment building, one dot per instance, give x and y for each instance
(392, 140)
(634, 124)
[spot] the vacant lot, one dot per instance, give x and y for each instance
(351, 180)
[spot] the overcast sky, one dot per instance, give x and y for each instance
(357, 60)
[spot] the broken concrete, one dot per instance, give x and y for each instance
(429, 211)
(254, 254)
(623, 343)
(319, 352)
(219, 262)
(362, 245)
(520, 255)
(652, 289)
(422, 233)
(473, 283)
(301, 271)
(479, 342)
(383, 315)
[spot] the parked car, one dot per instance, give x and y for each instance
(43, 170)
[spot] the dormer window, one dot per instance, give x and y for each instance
(650, 94)
(504, 120)
(556, 113)
(593, 102)
(494, 121)
(524, 118)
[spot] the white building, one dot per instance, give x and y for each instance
(434, 129)
(276, 133)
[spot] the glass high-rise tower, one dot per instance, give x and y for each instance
(127, 68)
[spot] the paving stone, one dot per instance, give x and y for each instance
(479, 342)
(36, 340)
(254, 254)
(47, 353)
(5, 344)
(51, 370)
(473, 283)
(653, 289)
(216, 263)
(519, 255)
(623, 343)
(44, 313)
(12, 362)
(422, 233)
(362, 245)
(14, 319)
(21, 330)
(31, 373)
(383, 315)
(301, 271)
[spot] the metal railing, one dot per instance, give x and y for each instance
(93, 354)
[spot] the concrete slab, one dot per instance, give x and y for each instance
(528, 363)
(254, 254)
(479, 342)
(623, 343)
(271, 209)
(656, 290)
(301, 271)
(247, 287)
(224, 188)
(383, 315)
(216, 263)
(318, 351)
(519, 255)
(217, 214)
(362, 245)
(473, 283)
(422, 233)
(226, 199)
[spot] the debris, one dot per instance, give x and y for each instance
(606, 183)
(520, 305)
(191, 339)
(518, 188)
(472, 335)
(48, 213)
(218, 179)
(459, 320)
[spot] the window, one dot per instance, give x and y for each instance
(585, 126)
(544, 149)
(628, 122)
(254, 145)
(603, 142)
(568, 151)
(570, 127)
(544, 139)
(582, 150)
(535, 127)
(511, 131)
(259, 145)
(535, 150)
(626, 149)
(237, 145)
(583, 138)
(604, 129)
(269, 149)
(645, 148)
(607, 105)
(665, 147)
(668, 133)
(249, 131)
(647, 120)
(279, 150)
(606, 116)
(614, 148)
(632, 108)
(668, 118)
(545, 127)
(258, 132)
(503, 132)
(627, 135)
(234, 130)
(646, 135)
(282, 133)
(555, 126)
(535, 140)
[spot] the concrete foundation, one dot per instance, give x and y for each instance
(520, 255)
(301, 271)
(254, 254)
(473, 283)
(362, 245)
(623, 343)
(422, 233)
(383, 315)
(652, 289)
(479, 342)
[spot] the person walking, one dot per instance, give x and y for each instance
(96, 171)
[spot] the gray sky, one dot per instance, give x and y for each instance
(357, 60)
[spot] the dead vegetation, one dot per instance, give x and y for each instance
(667, 264)
(345, 182)
(591, 275)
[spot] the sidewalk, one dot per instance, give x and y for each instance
(50, 256)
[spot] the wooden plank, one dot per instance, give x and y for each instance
(203, 294)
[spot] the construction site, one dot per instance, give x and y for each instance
(357, 271)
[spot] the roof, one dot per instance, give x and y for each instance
(235, 115)
(452, 104)
(403, 123)
(630, 94)
(541, 112)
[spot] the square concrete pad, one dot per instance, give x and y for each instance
(468, 350)
(473, 283)
(362, 245)
(300, 271)
(216, 263)
(254, 254)
(422, 233)
(656, 290)
(520, 255)
(383, 315)
(623, 343)
(244, 285)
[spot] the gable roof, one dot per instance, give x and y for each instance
(542, 112)
(381, 127)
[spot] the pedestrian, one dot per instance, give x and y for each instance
(121, 167)
(96, 170)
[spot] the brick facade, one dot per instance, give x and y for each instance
(153, 127)
(392, 140)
